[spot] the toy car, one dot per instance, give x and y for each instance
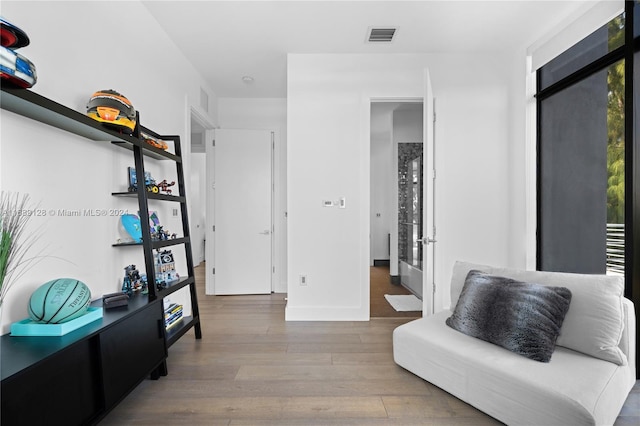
(149, 181)
(158, 143)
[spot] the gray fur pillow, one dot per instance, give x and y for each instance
(524, 318)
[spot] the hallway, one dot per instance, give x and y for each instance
(381, 285)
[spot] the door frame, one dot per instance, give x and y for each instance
(211, 210)
(197, 114)
(429, 240)
(427, 309)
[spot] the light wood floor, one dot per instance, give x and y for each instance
(253, 368)
(380, 284)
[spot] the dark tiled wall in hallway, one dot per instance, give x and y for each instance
(407, 152)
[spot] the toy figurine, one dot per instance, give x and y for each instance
(165, 269)
(164, 186)
(133, 281)
(161, 235)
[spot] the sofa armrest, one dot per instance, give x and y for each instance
(628, 341)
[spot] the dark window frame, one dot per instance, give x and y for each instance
(632, 150)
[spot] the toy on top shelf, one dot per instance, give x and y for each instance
(133, 281)
(155, 142)
(165, 269)
(15, 69)
(113, 110)
(12, 36)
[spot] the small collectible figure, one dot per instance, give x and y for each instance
(133, 281)
(165, 269)
(164, 186)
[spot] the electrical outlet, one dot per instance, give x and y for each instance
(303, 280)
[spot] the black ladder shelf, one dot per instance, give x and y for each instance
(39, 108)
(143, 196)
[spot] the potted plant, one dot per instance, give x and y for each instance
(15, 212)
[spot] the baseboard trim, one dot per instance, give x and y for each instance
(326, 313)
(381, 262)
(395, 279)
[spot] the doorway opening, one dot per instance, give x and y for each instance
(396, 204)
(200, 127)
(197, 188)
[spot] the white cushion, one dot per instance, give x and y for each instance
(572, 389)
(594, 323)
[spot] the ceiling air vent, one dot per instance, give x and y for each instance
(381, 35)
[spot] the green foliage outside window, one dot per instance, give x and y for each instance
(615, 125)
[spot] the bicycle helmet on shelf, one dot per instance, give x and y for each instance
(112, 109)
(12, 36)
(16, 70)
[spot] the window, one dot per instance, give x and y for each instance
(588, 154)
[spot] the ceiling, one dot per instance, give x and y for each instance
(226, 40)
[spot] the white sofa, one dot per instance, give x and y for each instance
(577, 386)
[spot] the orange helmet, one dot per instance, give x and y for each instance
(113, 109)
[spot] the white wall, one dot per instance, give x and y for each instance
(328, 157)
(269, 114)
(62, 171)
(407, 125)
(381, 179)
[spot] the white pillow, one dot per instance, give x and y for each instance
(595, 320)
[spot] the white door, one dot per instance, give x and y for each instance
(242, 191)
(428, 189)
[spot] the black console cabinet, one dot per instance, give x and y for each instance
(78, 378)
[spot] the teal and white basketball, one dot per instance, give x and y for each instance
(59, 301)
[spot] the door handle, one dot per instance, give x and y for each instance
(265, 232)
(427, 240)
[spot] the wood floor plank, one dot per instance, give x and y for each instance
(250, 358)
(362, 358)
(320, 372)
(338, 347)
(379, 285)
(434, 407)
(268, 407)
(232, 338)
(193, 388)
(363, 422)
